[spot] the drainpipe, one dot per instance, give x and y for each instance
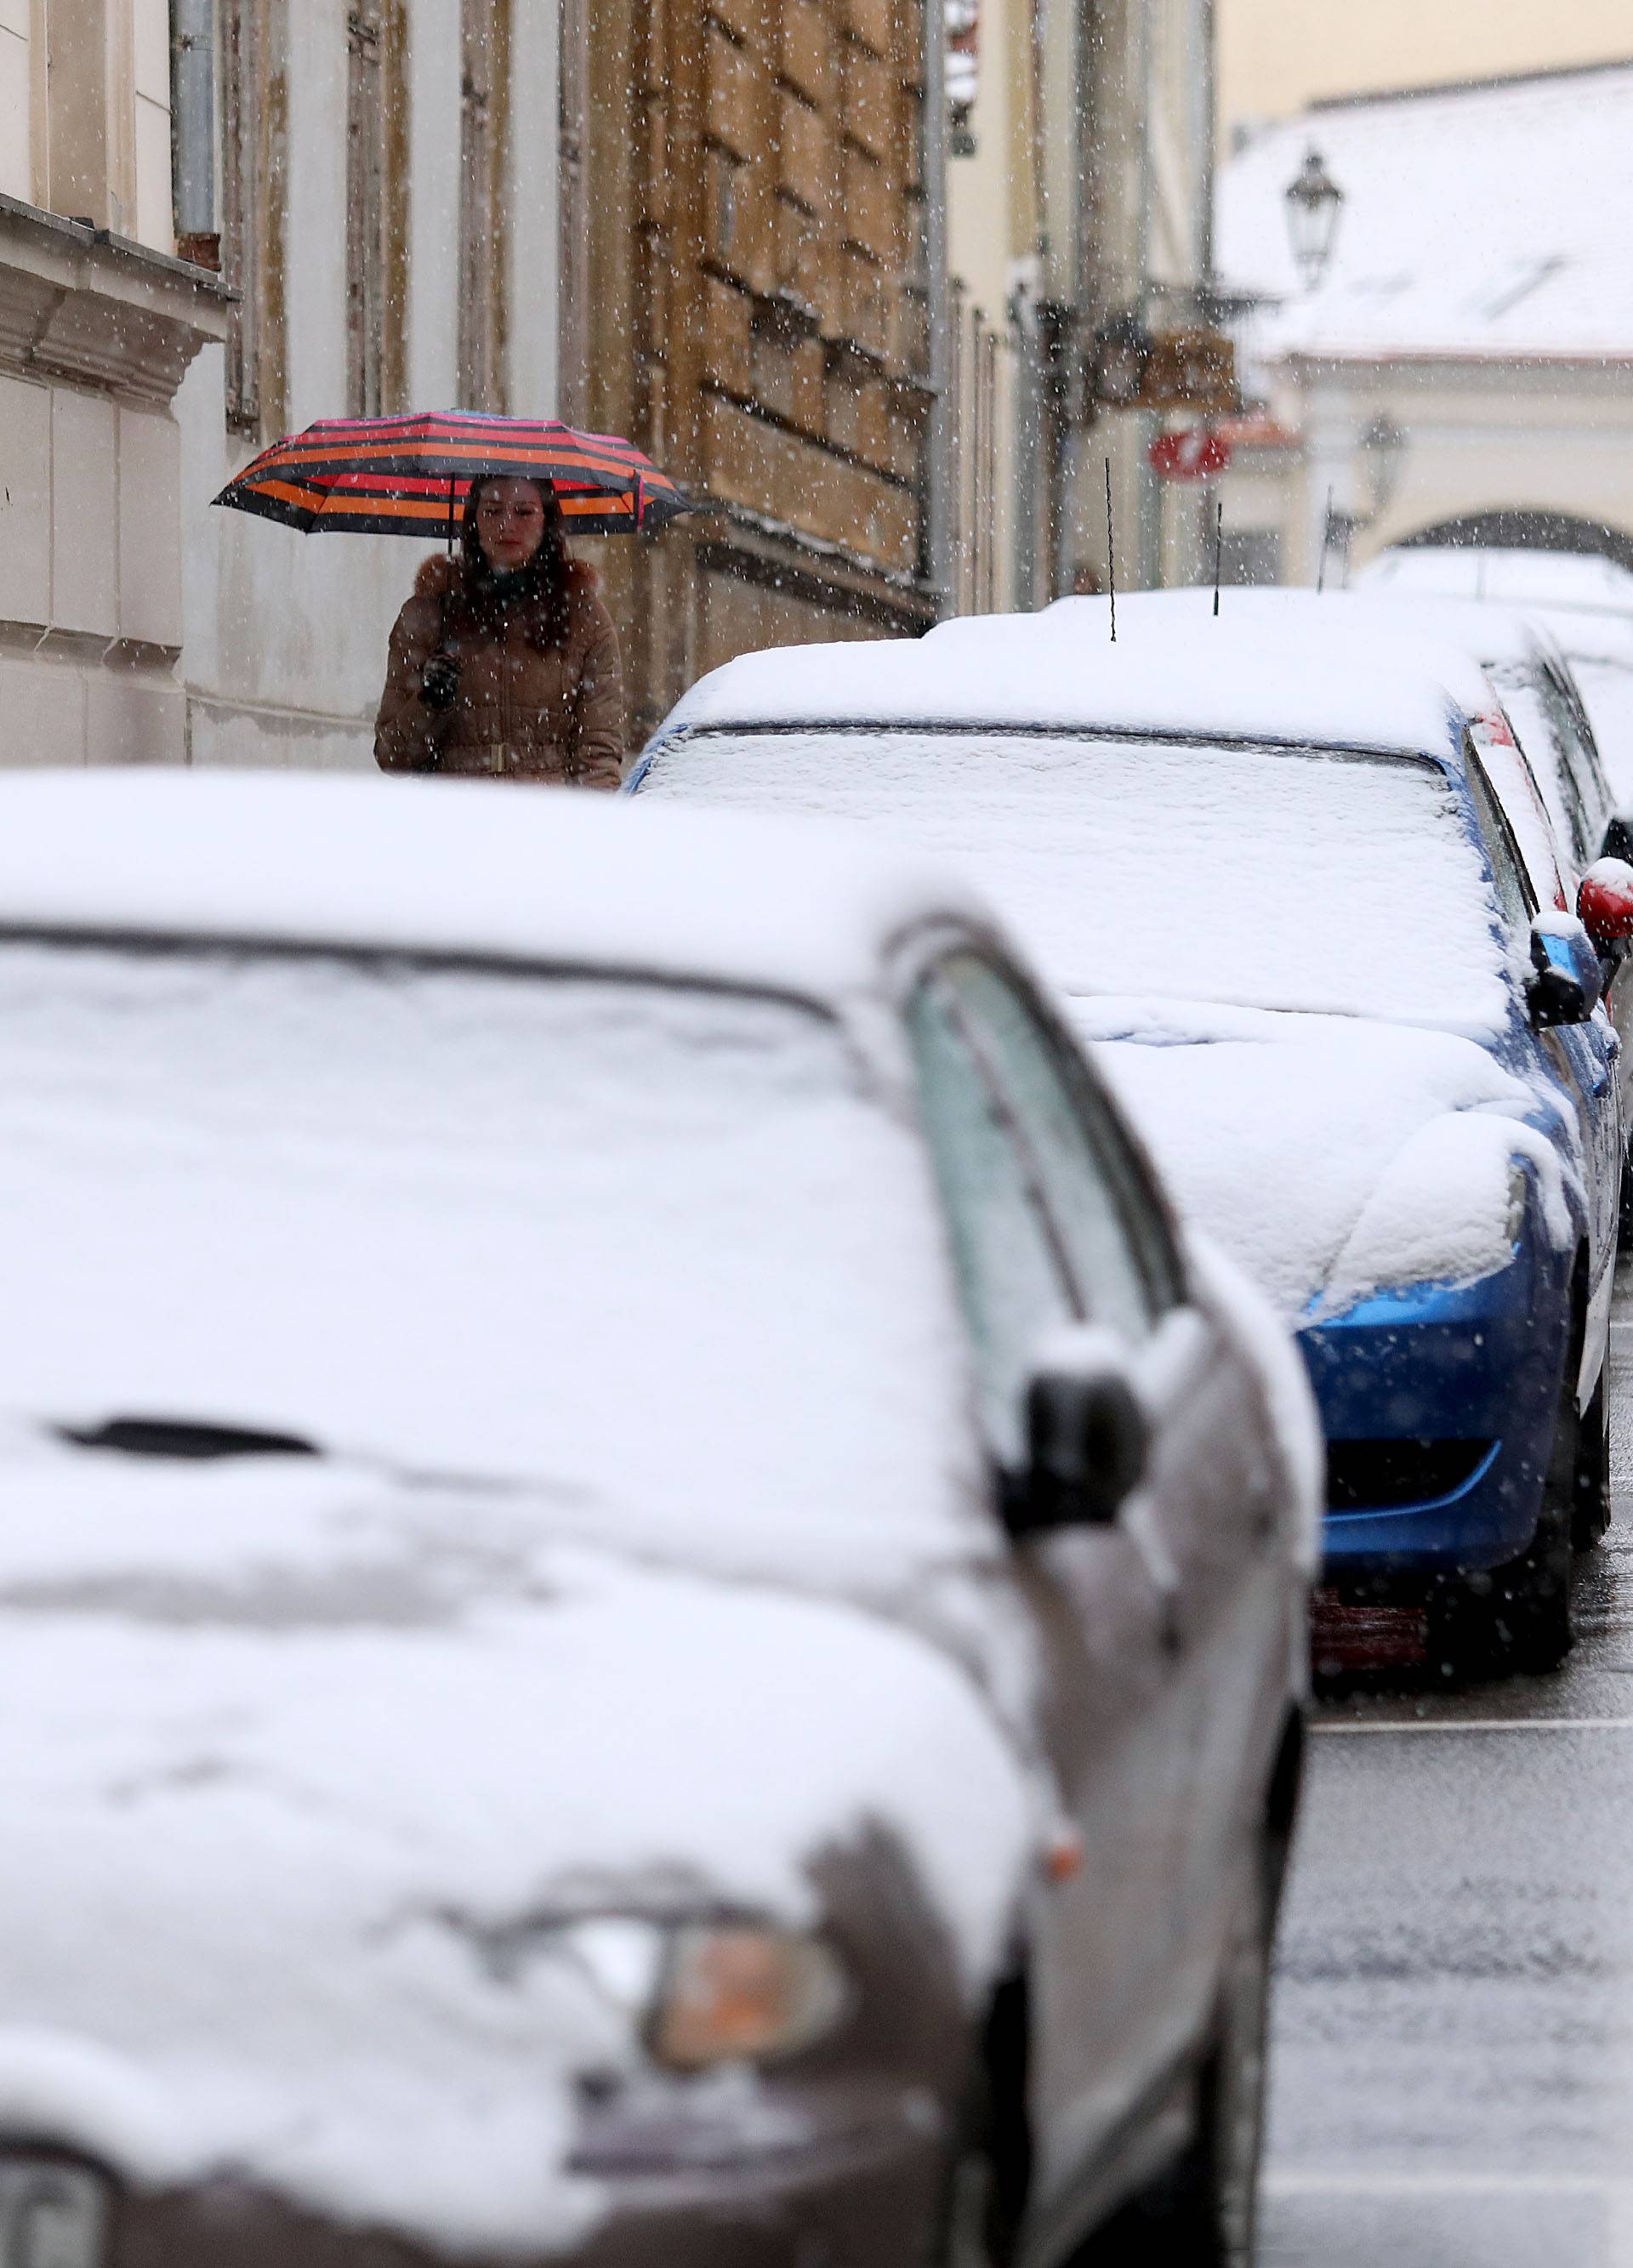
(938, 517)
(193, 129)
(1026, 474)
(1207, 74)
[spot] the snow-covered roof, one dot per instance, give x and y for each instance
(445, 865)
(1486, 220)
(1299, 675)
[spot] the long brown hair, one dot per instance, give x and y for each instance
(541, 585)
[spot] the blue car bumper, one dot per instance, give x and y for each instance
(1439, 1406)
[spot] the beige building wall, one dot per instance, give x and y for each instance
(95, 334)
(1478, 438)
(1276, 56)
(16, 95)
(1089, 188)
(992, 232)
(285, 634)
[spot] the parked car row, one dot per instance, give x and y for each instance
(657, 1599)
(1314, 901)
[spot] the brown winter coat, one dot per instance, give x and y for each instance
(526, 710)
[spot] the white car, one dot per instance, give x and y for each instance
(644, 1604)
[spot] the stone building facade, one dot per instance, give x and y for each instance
(755, 306)
(99, 323)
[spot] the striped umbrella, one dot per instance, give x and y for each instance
(411, 476)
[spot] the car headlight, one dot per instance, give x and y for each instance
(704, 1993)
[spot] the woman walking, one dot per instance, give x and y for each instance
(505, 662)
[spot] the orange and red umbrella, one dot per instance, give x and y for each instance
(410, 475)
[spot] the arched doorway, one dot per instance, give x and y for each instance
(1523, 530)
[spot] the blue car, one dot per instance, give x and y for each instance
(1280, 892)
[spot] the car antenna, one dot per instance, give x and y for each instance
(1110, 550)
(1218, 553)
(1326, 537)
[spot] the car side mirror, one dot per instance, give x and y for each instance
(1568, 982)
(1604, 905)
(1087, 1437)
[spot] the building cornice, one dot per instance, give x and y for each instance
(81, 304)
(1496, 364)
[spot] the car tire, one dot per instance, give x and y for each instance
(984, 2195)
(1202, 2211)
(1514, 1622)
(1590, 1473)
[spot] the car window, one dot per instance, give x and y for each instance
(1113, 1237)
(1581, 750)
(1011, 1272)
(1542, 735)
(1513, 891)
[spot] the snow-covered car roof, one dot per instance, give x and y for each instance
(1497, 636)
(1256, 672)
(461, 867)
(1560, 581)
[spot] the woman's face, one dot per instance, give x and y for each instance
(510, 524)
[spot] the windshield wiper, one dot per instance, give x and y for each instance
(185, 1437)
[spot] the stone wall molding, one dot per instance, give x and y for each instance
(82, 305)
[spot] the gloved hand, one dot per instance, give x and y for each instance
(438, 684)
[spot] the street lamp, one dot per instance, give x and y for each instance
(1314, 201)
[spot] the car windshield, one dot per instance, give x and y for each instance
(656, 1247)
(1268, 878)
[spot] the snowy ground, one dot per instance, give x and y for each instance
(1453, 2067)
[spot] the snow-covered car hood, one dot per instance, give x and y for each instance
(289, 1741)
(1330, 1156)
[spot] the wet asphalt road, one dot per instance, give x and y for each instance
(1452, 2082)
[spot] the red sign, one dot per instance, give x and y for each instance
(1197, 455)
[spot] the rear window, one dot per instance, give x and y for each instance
(1269, 878)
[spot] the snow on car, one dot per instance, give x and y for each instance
(1263, 856)
(544, 1722)
(1584, 601)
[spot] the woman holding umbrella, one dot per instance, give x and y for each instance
(505, 662)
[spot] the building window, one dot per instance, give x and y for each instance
(17, 102)
(484, 79)
(147, 190)
(376, 231)
(253, 35)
